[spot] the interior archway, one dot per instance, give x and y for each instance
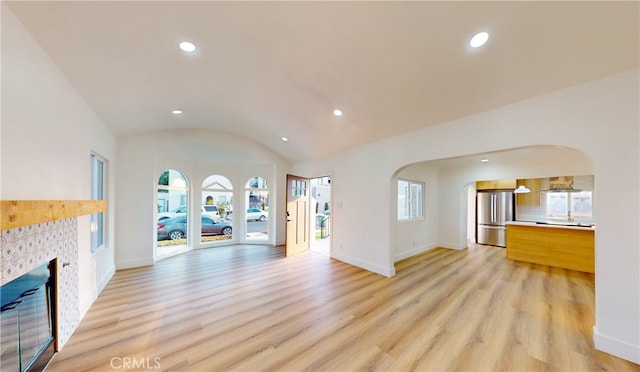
(447, 197)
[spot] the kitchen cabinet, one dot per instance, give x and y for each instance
(496, 184)
(558, 246)
(531, 198)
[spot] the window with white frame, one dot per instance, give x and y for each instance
(98, 183)
(410, 199)
(569, 205)
(257, 204)
(173, 208)
(217, 204)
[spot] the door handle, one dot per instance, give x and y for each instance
(493, 208)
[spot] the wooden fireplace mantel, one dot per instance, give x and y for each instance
(17, 213)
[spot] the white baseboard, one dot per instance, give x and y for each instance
(257, 242)
(616, 347)
(457, 247)
(86, 302)
(105, 280)
(134, 263)
(385, 271)
(413, 252)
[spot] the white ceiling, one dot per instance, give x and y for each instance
(524, 159)
(269, 69)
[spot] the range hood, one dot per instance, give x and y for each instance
(561, 184)
(562, 190)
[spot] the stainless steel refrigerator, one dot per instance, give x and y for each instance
(494, 209)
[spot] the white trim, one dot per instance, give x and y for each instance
(105, 280)
(413, 252)
(105, 192)
(256, 242)
(216, 243)
(457, 247)
(237, 243)
(134, 263)
(385, 271)
(616, 347)
(95, 292)
(409, 200)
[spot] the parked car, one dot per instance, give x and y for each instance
(255, 214)
(206, 210)
(211, 211)
(176, 228)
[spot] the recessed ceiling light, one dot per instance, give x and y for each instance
(479, 39)
(187, 46)
(337, 112)
(176, 112)
(284, 139)
(484, 160)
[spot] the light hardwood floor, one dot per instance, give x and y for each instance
(247, 308)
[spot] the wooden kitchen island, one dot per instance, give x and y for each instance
(568, 247)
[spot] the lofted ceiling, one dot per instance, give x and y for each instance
(264, 70)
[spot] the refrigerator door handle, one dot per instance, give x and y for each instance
(493, 208)
(490, 208)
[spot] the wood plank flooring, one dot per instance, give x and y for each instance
(247, 308)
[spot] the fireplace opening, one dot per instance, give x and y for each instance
(28, 320)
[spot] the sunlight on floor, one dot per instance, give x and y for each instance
(322, 246)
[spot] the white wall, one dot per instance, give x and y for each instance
(48, 133)
(197, 153)
(599, 118)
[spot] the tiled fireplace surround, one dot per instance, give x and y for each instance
(25, 248)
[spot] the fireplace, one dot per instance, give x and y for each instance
(28, 321)
(40, 235)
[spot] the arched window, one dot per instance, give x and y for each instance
(216, 209)
(173, 201)
(257, 213)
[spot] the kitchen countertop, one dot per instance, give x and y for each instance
(555, 225)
